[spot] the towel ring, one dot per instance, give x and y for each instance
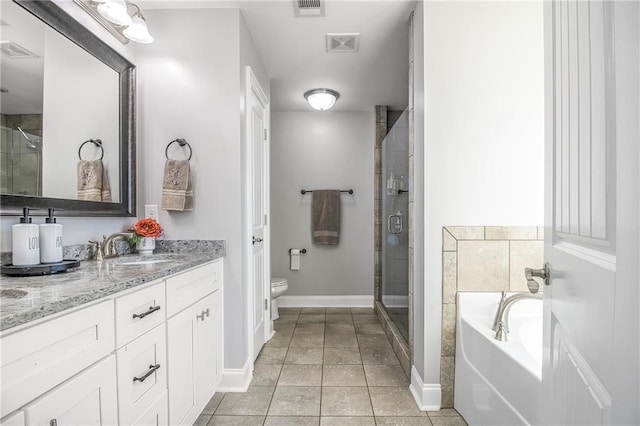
(96, 142)
(180, 142)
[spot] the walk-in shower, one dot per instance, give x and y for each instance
(20, 162)
(394, 292)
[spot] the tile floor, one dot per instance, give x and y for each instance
(325, 366)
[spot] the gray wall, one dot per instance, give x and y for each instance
(322, 150)
(195, 93)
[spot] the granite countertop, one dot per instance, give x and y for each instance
(25, 299)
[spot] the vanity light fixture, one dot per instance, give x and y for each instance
(138, 30)
(114, 16)
(115, 11)
(322, 99)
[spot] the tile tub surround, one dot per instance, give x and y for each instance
(481, 258)
(344, 376)
(50, 294)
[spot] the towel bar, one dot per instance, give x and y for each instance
(304, 191)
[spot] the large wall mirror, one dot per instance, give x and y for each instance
(66, 97)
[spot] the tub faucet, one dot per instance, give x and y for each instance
(501, 320)
(109, 243)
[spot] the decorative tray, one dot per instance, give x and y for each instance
(40, 269)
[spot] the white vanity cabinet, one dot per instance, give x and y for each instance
(149, 356)
(194, 336)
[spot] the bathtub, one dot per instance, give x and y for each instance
(498, 383)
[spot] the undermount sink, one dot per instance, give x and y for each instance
(145, 262)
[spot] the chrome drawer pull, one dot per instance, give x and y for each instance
(152, 369)
(151, 310)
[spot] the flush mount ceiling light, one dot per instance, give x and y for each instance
(322, 99)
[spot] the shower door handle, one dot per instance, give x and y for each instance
(394, 224)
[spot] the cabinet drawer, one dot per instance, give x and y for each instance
(139, 312)
(86, 399)
(189, 287)
(156, 415)
(15, 419)
(142, 374)
(36, 359)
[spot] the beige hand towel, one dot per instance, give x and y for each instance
(105, 193)
(325, 216)
(177, 192)
(90, 180)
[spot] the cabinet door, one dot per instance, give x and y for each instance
(180, 352)
(207, 343)
(88, 398)
(156, 415)
(142, 374)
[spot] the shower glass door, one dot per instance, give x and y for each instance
(20, 163)
(395, 232)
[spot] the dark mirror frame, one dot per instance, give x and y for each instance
(58, 19)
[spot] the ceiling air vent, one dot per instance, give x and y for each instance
(15, 51)
(343, 42)
(308, 8)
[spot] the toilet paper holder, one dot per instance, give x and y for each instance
(302, 251)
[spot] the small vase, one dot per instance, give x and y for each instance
(146, 245)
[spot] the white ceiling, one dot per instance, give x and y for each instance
(293, 50)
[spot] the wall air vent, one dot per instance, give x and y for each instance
(343, 42)
(308, 8)
(14, 51)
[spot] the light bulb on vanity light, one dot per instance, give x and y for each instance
(138, 30)
(322, 99)
(115, 11)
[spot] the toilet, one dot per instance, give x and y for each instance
(278, 287)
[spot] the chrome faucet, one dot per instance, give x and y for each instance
(109, 243)
(501, 320)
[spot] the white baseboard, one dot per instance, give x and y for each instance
(364, 301)
(428, 396)
(236, 379)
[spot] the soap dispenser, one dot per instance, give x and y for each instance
(25, 240)
(50, 240)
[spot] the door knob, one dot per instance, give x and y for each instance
(256, 240)
(544, 273)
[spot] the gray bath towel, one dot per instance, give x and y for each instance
(177, 192)
(325, 216)
(93, 183)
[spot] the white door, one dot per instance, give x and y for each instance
(257, 205)
(591, 357)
